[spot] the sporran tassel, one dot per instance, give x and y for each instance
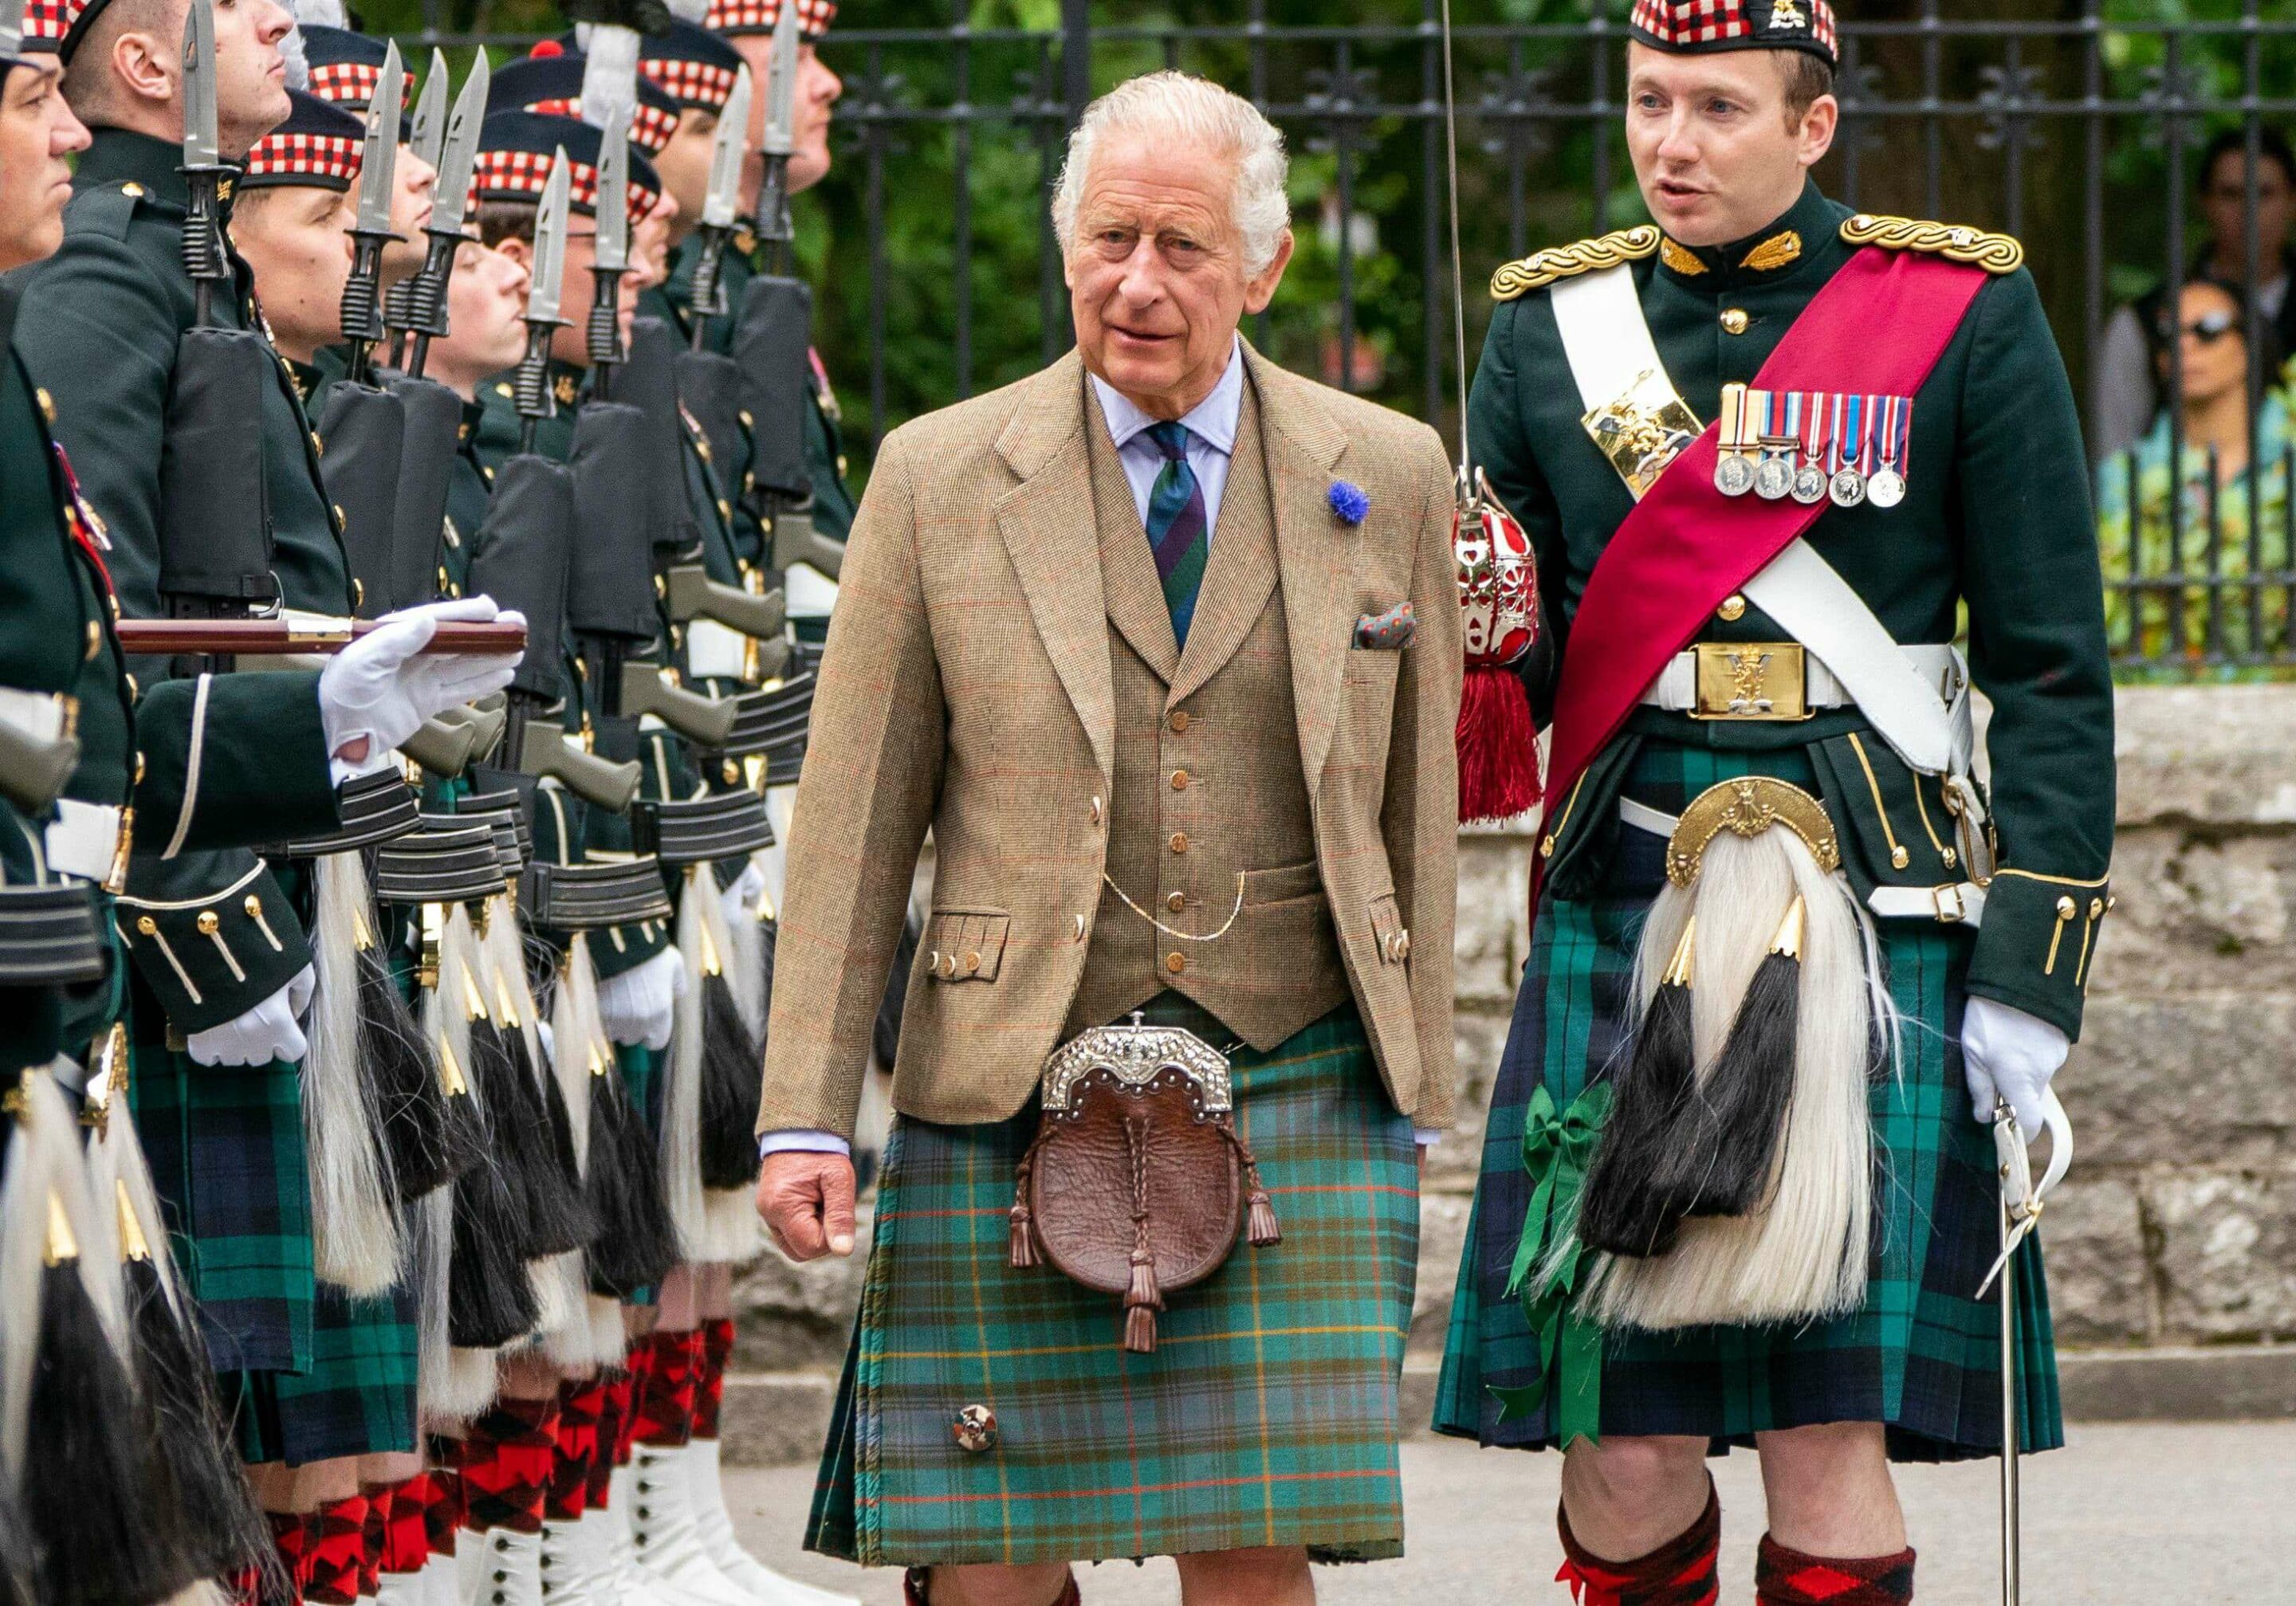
(106, 1524)
(354, 1216)
(171, 1361)
(1620, 1210)
(679, 1140)
(1737, 1116)
(637, 1242)
(1020, 1223)
(406, 1076)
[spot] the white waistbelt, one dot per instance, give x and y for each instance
(1938, 666)
(1953, 903)
(83, 840)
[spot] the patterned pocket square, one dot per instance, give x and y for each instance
(1391, 631)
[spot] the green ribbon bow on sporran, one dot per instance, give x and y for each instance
(1556, 1150)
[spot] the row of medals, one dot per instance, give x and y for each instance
(1776, 467)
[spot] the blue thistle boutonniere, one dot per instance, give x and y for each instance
(1348, 502)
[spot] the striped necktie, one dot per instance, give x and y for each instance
(1178, 532)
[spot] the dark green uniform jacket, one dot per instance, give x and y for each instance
(1996, 523)
(99, 331)
(56, 636)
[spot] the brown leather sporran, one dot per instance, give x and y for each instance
(1137, 1183)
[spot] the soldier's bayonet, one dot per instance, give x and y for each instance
(774, 229)
(610, 258)
(362, 309)
(531, 389)
(426, 132)
(708, 299)
(205, 260)
(458, 155)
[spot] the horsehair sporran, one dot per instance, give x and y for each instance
(1803, 1252)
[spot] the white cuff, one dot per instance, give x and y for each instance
(805, 1140)
(1426, 1137)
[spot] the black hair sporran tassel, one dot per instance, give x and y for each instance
(406, 1084)
(638, 1243)
(1619, 1211)
(1742, 1101)
(732, 1078)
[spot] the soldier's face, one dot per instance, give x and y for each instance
(250, 74)
(36, 132)
(415, 182)
(1716, 155)
(1156, 275)
(484, 301)
(817, 92)
(297, 240)
(684, 164)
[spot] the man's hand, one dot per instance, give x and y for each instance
(807, 1198)
(2009, 1055)
(265, 1033)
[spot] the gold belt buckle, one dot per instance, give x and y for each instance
(1759, 681)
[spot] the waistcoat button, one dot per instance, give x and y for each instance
(1176, 962)
(1177, 902)
(1179, 721)
(1179, 779)
(1179, 842)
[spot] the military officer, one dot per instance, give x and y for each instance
(1792, 442)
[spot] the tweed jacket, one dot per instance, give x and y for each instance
(967, 688)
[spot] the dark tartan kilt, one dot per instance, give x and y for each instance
(1923, 1356)
(355, 1398)
(1267, 1416)
(226, 1144)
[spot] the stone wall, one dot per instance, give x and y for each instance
(2172, 1244)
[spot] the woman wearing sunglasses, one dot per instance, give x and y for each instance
(2207, 383)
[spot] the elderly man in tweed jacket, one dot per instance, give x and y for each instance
(1162, 646)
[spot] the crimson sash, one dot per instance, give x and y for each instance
(1882, 322)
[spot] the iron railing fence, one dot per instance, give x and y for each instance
(2078, 132)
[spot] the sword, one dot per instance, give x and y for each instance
(205, 260)
(774, 229)
(362, 308)
(2020, 1212)
(610, 258)
(457, 157)
(531, 388)
(708, 299)
(425, 134)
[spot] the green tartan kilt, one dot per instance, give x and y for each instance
(1924, 1355)
(355, 1398)
(1267, 1416)
(226, 1144)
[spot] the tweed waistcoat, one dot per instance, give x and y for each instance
(1209, 829)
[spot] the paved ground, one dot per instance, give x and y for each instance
(2196, 1516)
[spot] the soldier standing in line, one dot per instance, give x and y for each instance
(217, 938)
(1792, 961)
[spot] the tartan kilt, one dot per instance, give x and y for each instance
(1923, 1356)
(1267, 1414)
(225, 1145)
(355, 1398)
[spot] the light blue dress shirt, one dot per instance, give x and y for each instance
(1210, 424)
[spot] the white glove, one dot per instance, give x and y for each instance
(2009, 1054)
(634, 1006)
(381, 688)
(265, 1033)
(741, 901)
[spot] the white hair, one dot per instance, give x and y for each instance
(1180, 107)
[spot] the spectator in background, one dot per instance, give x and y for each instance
(2125, 394)
(2133, 487)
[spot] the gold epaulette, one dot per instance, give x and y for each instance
(1954, 242)
(1568, 261)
